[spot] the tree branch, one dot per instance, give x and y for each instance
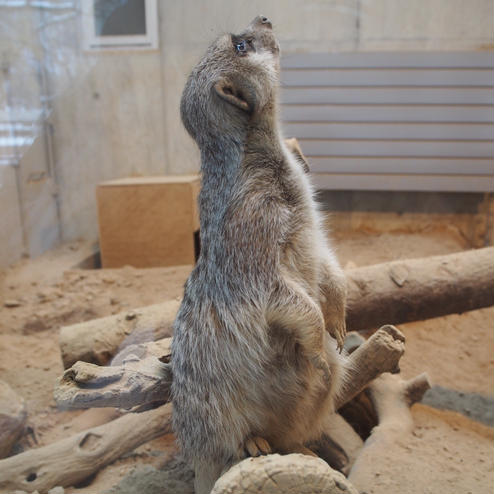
(71, 460)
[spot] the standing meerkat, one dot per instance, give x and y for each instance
(254, 367)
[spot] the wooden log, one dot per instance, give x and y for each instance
(87, 384)
(140, 376)
(135, 382)
(72, 460)
(418, 289)
(392, 398)
(394, 293)
(380, 353)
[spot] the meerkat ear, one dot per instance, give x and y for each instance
(233, 94)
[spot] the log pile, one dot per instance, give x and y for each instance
(84, 385)
(392, 293)
(139, 376)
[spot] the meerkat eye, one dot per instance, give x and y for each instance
(241, 46)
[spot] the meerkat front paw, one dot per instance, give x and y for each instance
(257, 446)
(338, 332)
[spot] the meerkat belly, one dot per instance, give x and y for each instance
(295, 402)
(306, 242)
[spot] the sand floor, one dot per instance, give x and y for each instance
(447, 453)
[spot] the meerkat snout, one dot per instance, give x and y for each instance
(263, 21)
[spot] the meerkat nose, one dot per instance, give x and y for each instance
(261, 21)
(266, 22)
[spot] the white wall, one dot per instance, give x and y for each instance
(11, 241)
(117, 114)
(28, 219)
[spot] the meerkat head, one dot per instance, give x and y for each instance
(233, 83)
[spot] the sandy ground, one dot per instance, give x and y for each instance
(448, 452)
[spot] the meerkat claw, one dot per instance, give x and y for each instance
(257, 446)
(340, 342)
(339, 335)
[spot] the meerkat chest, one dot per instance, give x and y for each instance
(306, 241)
(306, 217)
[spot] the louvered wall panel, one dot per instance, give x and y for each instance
(388, 113)
(393, 121)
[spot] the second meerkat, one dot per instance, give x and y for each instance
(255, 368)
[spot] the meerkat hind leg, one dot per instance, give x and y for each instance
(298, 313)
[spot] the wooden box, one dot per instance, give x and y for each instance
(148, 221)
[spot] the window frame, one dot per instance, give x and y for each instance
(93, 43)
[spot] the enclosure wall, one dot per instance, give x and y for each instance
(116, 114)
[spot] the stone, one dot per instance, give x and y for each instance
(13, 416)
(289, 474)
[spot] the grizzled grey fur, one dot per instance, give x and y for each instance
(254, 367)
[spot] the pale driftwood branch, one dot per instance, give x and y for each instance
(135, 382)
(97, 341)
(380, 353)
(416, 388)
(70, 461)
(383, 349)
(289, 474)
(394, 293)
(392, 398)
(141, 377)
(90, 385)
